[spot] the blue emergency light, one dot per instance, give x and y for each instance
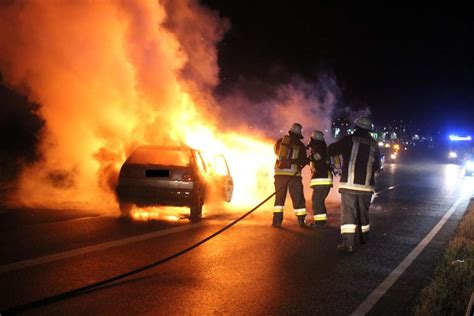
(456, 138)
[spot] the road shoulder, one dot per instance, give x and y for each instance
(451, 287)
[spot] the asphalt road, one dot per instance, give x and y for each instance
(250, 269)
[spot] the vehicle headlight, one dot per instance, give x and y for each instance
(393, 156)
(453, 154)
(470, 165)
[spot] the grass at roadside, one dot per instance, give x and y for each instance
(451, 287)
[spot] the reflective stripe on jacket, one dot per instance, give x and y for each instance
(296, 157)
(360, 160)
(322, 181)
(320, 172)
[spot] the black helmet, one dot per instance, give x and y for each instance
(296, 129)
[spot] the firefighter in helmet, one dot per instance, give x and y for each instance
(360, 158)
(321, 176)
(291, 159)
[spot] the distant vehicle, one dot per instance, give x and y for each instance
(391, 152)
(469, 166)
(460, 148)
(171, 176)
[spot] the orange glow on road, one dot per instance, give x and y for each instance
(170, 214)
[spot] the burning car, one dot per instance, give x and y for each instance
(172, 176)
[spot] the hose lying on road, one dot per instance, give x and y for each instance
(93, 286)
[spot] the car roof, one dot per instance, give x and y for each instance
(157, 147)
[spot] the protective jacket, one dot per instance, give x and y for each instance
(291, 154)
(359, 156)
(320, 172)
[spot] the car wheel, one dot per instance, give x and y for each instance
(196, 211)
(125, 209)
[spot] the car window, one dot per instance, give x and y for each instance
(220, 166)
(200, 162)
(156, 156)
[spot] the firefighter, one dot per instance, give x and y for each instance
(291, 157)
(321, 177)
(359, 156)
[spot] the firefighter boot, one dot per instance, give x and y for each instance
(277, 219)
(364, 238)
(320, 224)
(301, 219)
(320, 219)
(347, 243)
(344, 248)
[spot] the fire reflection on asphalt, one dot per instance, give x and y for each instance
(170, 214)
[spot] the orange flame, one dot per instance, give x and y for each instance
(171, 214)
(111, 75)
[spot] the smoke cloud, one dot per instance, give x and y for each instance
(273, 108)
(106, 76)
(110, 75)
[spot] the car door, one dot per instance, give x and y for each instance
(201, 166)
(221, 176)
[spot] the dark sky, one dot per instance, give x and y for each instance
(405, 63)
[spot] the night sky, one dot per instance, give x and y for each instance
(411, 63)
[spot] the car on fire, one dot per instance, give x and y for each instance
(172, 176)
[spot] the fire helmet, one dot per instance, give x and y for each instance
(317, 135)
(364, 122)
(297, 129)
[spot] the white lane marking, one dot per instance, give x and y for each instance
(386, 284)
(81, 251)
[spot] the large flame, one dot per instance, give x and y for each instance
(111, 75)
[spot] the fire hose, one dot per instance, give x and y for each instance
(97, 285)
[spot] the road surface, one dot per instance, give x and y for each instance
(250, 269)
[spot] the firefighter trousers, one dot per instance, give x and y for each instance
(295, 187)
(355, 211)
(320, 193)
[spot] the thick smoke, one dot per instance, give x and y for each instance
(272, 108)
(110, 75)
(197, 39)
(351, 113)
(18, 118)
(106, 74)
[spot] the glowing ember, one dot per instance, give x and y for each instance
(172, 218)
(171, 214)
